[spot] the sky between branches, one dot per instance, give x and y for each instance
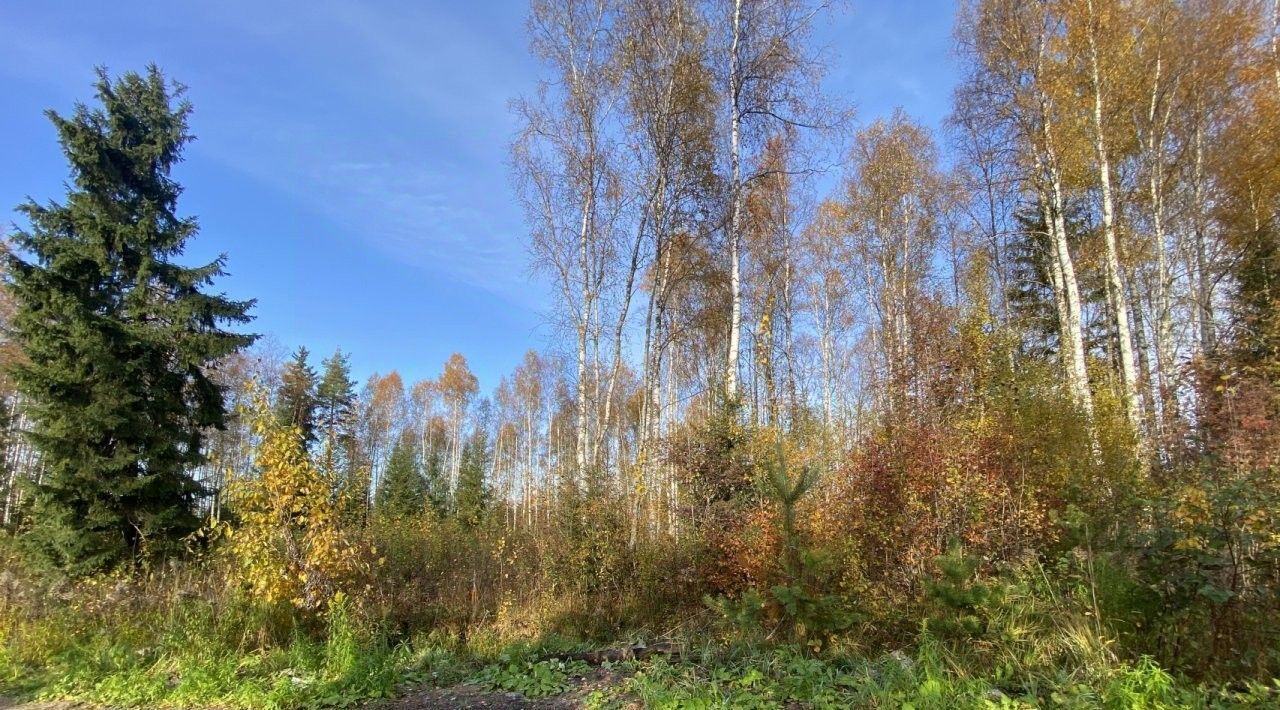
(352, 157)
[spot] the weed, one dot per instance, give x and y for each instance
(532, 679)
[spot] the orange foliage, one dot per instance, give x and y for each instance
(898, 500)
(745, 549)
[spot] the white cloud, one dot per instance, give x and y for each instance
(389, 120)
(425, 181)
(408, 209)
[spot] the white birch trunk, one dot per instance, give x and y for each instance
(1116, 293)
(735, 218)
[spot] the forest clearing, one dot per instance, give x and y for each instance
(834, 406)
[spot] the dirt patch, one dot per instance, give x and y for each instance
(470, 697)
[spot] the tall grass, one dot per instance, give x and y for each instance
(187, 636)
(176, 640)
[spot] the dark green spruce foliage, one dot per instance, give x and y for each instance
(334, 415)
(471, 500)
(958, 597)
(1030, 290)
(402, 490)
(118, 336)
(1258, 303)
(335, 396)
(296, 401)
(436, 471)
(804, 613)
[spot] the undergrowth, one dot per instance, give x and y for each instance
(200, 654)
(931, 678)
(186, 637)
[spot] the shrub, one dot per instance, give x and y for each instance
(796, 604)
(288, 539)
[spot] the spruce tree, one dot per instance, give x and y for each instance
(119, 338)
(1030, 291)
(402, 491)
(335, 397)
(471, 500)
(1031, 282)
(436, 472)
(296, 401)
(335, 419)
(1257, 304)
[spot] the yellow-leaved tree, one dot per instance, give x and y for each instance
(289, 542)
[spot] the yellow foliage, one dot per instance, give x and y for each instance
(1193, 507)
(289, 542)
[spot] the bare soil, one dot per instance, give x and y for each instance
(470, 697)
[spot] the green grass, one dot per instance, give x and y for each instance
(783, 678)
(194, 653)
(196, 657)
(345, 670)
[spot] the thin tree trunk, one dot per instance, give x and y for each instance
(1117, 295)
(735, 219)
(828, 364)
(583, 327)
(1275, 52)
(788, 327)
(1162, 327)
(1203, 279)
(1067, 298)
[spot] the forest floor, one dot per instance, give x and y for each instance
(782, 678)
(464, 696)
(468, 696)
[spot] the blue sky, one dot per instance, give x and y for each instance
(351, 157)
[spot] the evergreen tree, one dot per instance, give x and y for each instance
(436, 472)
(335, 399)
(471, 500)
(335, 394)
(1031, 286)
(119, 337)
(1030, 291)
(296, 401)
(1257, 303)
(402, 490)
